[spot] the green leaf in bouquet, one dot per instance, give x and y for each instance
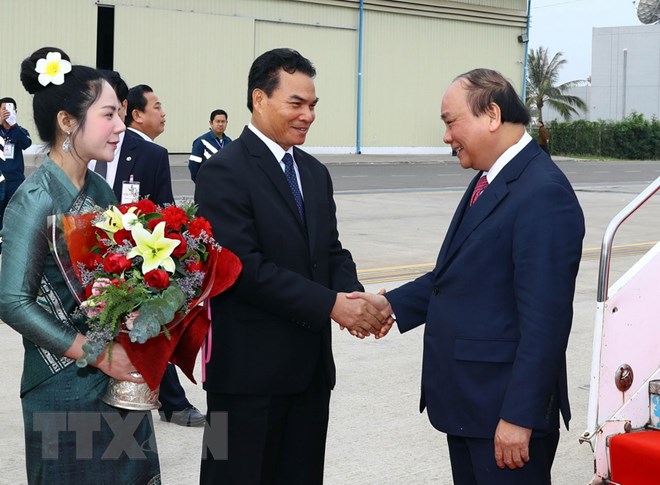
(120, 300)
(189, 207)
(156, 313)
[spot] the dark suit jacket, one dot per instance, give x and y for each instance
(498, 306)
(149, 164)
(272, 329)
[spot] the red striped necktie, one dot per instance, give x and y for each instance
(482, 183)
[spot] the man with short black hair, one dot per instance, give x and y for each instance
(210, 142)
(141, 160)
(271, 367)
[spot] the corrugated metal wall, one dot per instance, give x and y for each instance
(334, 54)
(30, 24)
(196, 55)
(195, 63)
(410, 61)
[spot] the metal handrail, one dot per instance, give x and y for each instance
(610, 231)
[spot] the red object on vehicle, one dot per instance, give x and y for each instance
(634, 458)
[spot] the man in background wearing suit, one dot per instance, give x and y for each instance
(498, 306)
(141, 160)
(144, 162)
(271, 367)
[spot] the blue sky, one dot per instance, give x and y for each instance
(566, 26)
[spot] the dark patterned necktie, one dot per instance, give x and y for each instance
(482, 183)
(293, 184)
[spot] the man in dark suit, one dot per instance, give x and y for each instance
(140, 159)
(498, 306)
(271, 367)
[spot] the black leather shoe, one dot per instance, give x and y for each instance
(189, 416)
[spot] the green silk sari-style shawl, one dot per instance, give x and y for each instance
(34, 297)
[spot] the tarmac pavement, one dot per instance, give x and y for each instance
(376, 435)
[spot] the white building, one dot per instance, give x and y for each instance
(625, 74)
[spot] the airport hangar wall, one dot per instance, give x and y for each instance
(196, 55)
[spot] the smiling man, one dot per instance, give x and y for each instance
(141, 160)
(498, 306)
(271, 367)
(520, 219)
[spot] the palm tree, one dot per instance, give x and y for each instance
(542, 87)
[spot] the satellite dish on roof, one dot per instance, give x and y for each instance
(648, 11)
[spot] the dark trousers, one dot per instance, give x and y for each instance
(3, 205)
(172, 396)
(473, 462)
(272, 440)
(7, 189)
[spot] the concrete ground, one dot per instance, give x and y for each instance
(376, 434)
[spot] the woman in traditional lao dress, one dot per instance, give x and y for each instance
(71, 436)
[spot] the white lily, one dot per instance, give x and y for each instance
(130, 219)
(116, 221)
(154, 247)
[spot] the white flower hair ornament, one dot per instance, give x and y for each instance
(52, 69)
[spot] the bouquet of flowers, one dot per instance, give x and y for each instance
(140, 272)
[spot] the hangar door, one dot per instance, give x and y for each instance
(333, 51)
(194, 62)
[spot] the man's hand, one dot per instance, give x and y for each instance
(357, 315)
(511, 445)
(382, 305)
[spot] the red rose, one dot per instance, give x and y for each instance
(91, 261)
(175, 217)
(116, 263)
(145, 206)
(182, 248)
(123, 235)
(124, 208)
(157, 279)
(193, 266)
(88, 291)
(101, 236)
(151, 225)
(100, 233)
(199, 224)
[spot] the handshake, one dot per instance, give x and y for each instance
(363, 314)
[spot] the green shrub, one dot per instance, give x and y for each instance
(634, 138)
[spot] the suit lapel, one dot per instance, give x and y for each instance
(271, 167)
(126, 160)
(456, 221)
(473, 216)
(310, 194)
(467, 219)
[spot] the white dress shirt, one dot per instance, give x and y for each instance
(507, 156)
(278, 152)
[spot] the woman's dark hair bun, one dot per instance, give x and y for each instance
(29, 74)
